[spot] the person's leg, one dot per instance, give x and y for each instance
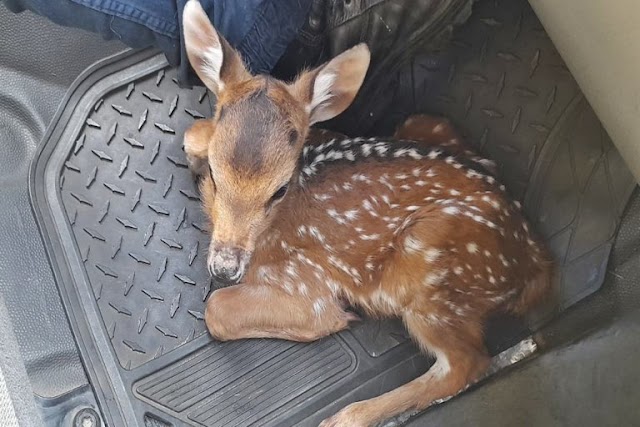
(260, 30)
(394, 31)
(135, 27)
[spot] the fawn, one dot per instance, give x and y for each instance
(306, 223)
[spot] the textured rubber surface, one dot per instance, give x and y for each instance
(136, 218)
(505, 86)
(210, 385)
(121, 216)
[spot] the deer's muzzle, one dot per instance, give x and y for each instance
(228, 264)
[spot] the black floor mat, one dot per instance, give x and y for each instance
(120, 216)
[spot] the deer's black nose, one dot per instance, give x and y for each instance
(226, 264)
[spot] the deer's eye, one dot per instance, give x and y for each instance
(279, 194)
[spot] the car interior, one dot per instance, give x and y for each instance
(102, 292)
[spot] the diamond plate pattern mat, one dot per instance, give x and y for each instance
(135, 215)
(121, 218)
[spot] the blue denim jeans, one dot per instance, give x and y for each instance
(260, 30)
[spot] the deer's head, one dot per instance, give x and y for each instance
(249, 150)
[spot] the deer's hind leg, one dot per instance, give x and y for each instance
(440, 315)
(461, 360)
(261, 311)
(439, 132)
(432, 131)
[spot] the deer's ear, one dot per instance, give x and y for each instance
(329, 89)
(213, 59)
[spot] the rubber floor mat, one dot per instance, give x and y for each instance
(121, 219)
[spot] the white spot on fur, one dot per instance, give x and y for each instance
(343, 266)
(316, 234)
(358, 177)
(412, 245)
(413, 153)
(288, 287)
(432, 254)
(291, 270)
(401, 152)
(451, 210)
(383, 300)
(322, 197)
(381, 149)
(439, 128)
(384, 180)
(266, 274)
(472, 248)
(434, 154)
(369, 237)
(351, 214)
(319, 306)
(504, 260)
(434, 278)
(303, 289)
(333, 286)
(492, 202)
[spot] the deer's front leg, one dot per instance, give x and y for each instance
(260, 311)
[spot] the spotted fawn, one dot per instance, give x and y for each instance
(305, 223)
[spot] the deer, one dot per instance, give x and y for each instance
(307, 224)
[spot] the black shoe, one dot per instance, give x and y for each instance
(394, 30)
